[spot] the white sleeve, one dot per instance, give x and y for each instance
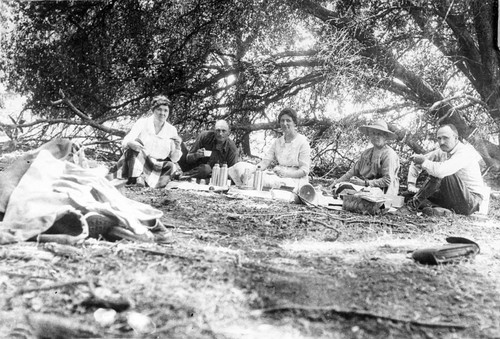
(134, 132)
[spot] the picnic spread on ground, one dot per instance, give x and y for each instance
(50, 195)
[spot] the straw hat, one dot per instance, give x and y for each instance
(377, 125)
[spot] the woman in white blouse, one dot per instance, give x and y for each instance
(292, 153)
(289, 158)
(152, 147)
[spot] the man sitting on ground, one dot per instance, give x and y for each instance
(455, 182)
(220, 149)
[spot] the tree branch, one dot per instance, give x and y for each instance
(109, 130)
(357, 313)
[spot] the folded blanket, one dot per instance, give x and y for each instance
(134, 164)
(52, 188)
(149, 168)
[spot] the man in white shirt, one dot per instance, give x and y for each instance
(455, 182)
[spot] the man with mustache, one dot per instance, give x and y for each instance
(455, 182)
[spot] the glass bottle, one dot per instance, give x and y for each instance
(257, 179)
(223, 175)
(214, 181)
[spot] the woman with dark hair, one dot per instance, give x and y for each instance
(290, 154)
(152, 147)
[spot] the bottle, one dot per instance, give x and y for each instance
(214, 181)
(257, 179)
(223, 175)
(245, 178)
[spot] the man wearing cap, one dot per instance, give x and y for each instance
(454, 183)
(151, 148)
(210, 148)
(378, 166)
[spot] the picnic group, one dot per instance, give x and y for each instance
(154, 155)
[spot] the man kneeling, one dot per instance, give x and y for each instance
(455, 182)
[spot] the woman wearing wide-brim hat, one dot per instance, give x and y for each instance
(378, 166)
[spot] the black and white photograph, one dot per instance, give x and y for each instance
(249, 169)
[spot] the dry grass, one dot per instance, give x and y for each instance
(344, 275)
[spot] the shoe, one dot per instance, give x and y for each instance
(437, 212)
(412, 205)
(140, 182)
(419, 205)
(176, 175)
(131, 181)
(406, 210)
(164, 180)
(99, 224)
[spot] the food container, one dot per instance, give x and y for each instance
(360, 204)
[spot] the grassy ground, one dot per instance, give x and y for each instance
(246, 268)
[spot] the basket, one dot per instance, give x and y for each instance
(359, 204)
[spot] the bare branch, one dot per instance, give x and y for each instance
(109, 130)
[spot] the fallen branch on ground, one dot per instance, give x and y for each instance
(158, 252)
(329, 227)
(355, 313)
(357, 220)
(25, 275)
(345, 221)
(51, 286)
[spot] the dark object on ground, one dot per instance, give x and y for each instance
(116, 302)
(349, 188)
(99, 224)
(362, 204)
(457, 249)
(407, 195)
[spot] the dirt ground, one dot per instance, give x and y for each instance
(239, 267)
